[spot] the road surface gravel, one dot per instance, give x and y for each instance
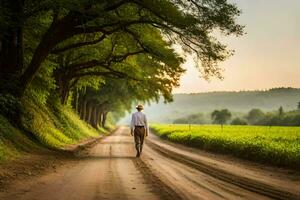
(110, 170)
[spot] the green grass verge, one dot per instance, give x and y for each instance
(279, 146)
(13, 141)
(54, 126)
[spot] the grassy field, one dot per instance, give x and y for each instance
(278, 146)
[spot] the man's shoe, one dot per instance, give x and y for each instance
(138, 154)
(141, 151)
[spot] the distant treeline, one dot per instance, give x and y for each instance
(279, 118)
(253, 117)
(238, 103)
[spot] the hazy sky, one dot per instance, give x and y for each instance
(267, 56)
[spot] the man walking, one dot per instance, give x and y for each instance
(139, 128)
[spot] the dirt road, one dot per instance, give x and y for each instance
(109, 170)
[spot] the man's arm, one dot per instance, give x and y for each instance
(132, 125)
(147, 126)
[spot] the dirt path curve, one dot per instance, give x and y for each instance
(109, 170)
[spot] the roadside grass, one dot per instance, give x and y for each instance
(13, 141)
(52, 126)
(279, 146)
(56, 125)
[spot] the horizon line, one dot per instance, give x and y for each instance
(246, 90)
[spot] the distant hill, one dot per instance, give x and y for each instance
(243, 101)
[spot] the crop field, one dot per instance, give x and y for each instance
(278, 146)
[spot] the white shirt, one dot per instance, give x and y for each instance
(139, 119)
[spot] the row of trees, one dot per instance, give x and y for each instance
(258, 117)
(279, 118)
(253, 117)
(106, 54)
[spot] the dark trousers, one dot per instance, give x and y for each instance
(139, 135)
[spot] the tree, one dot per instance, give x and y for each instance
(118, 95)
(191, 119)
(254, 116)
(47, 27)
(238, 121)
(221, 116)
(122, 56)
(81, 43)
(298, 107)
(280, 111)
(11, 40)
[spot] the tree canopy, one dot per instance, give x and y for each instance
(221, 116)
(52, 46)
(255, 115)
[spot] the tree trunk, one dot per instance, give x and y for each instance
(83, 110)
(94, 116)
(80, 102)
(64, 92)
(104, 115)
(75, 100)
(88, 112)
(79, 107)
(99, 114)
(99, 118)
(11, 46)
(57, 32)
(63, 82)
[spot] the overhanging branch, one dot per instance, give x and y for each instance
(79, 44)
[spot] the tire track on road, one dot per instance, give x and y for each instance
(243, 182)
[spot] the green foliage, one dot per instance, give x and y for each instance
(13, 142)
(7, 152)
(237, 102)
(110, 122)
(10, 106)
(92, 82)
(280, 111)
(192, 119)
(221, 116)
(73, 127)
(291, 118)
(48, 125)
(255, 115)
(279, 146)
(280, 118)
(55, 125)
(85, 21)
(112, 52)
(43, 84)
(238, 121)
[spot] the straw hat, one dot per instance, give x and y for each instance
(139, 107)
